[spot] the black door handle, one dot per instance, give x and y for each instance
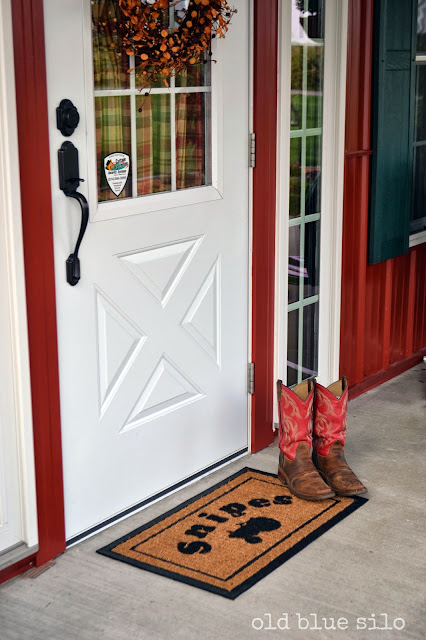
(73, 262)
(69, 182)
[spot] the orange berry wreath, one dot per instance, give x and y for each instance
(166, 36)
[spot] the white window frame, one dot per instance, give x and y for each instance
(336, 20)
(159, 201)
(420, 237)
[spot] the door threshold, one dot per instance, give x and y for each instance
(15, 554)
(155, 498)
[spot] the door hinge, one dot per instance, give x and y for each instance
(252, 150)
(250, 378)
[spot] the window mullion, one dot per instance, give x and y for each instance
(302, 213)
(172, 111)
(133, 139)
(173, 131)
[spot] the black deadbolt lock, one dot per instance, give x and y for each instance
(67, 117)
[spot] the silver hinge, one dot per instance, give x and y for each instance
(252, 150)
(250, 378)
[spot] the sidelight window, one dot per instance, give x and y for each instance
(307, 72)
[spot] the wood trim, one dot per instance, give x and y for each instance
(33, 138)
(332, 190)
(264, 203)
(358, 154)
(356, 189)
(17, 568)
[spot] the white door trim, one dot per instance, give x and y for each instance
(332, 189)
(250, 220)
(336, 32)
(13, 288)
(283, 192)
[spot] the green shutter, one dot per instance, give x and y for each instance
(392, 128)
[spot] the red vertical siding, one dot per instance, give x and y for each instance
(420, 302)
(355, 204)
(383, 326)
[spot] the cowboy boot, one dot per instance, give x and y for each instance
(329, 437)
(295, 467)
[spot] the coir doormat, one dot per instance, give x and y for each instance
(227, 538)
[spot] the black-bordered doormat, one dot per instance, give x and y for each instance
(227, 538)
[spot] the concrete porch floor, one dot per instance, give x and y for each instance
(370, 566)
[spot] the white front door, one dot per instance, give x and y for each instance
(153, 338)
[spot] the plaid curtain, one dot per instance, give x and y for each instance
(153, 144)
(113, 128)
(113, 124)
(189, 140)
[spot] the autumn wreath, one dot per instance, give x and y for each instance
(166, 36)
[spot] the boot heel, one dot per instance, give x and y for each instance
(281, 476)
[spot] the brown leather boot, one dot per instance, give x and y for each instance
(329, 437)
(337, 473)
(295, 467)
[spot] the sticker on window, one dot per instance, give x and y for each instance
(116, 167)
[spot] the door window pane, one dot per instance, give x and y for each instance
(292, 348)
(110, 65)
(295, 264)
(313, 175)
(310, 341)
(295, 176)
(113, 130)
(197, 75)
(296, 86)
(314, 84)
(192, 140)
(153, 138)
(311, 260)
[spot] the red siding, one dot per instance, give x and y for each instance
(420, 302)
(383, 306)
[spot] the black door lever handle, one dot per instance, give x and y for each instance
(73, 262)
(69, 182)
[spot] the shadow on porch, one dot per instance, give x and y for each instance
(370, 566)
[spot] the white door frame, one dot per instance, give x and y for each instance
(331, 193)
(12, 298)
